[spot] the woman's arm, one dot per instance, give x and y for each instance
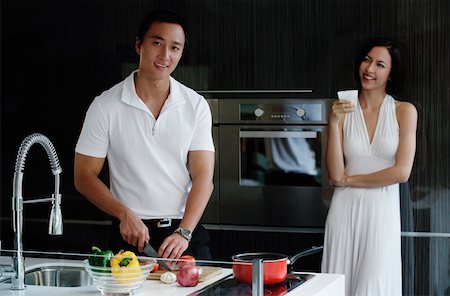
(401, 170)
(335, 152)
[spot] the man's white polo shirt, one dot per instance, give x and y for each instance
(147, 158)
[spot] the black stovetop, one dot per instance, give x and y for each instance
(229, 286)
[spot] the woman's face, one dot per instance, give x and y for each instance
(375, 69)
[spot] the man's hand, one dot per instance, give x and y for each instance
(173, 246)
(133, 230)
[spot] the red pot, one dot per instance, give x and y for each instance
(275, 265)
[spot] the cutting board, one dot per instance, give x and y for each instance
(207, 273)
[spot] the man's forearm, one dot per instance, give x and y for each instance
(196, 203)
(100, 195)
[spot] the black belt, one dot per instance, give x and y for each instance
(162, 222)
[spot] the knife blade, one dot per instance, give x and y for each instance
(149, 251)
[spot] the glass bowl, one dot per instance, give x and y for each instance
(112, 283)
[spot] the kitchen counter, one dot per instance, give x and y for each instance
(320, 284)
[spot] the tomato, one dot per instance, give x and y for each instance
(186, 260)
(155, 268)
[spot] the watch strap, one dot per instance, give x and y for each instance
(184, 232)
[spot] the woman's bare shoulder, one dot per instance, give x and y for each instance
(405, 109)
(404, 106)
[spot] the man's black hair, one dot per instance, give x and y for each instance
(160, 16)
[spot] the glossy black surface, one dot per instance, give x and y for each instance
(277, 174)
(232, 287)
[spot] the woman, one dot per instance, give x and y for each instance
(371, 149)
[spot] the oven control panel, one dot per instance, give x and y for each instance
(292, 112)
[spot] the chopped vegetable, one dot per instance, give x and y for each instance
(125, 267)
(100, 258)
(155, 268)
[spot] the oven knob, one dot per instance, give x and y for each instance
(258, 112)
(300, 112)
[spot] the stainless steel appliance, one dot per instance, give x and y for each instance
(270, 162)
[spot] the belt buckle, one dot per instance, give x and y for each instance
(166, 222)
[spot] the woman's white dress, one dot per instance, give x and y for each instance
(362, 232)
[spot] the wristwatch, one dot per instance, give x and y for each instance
(184, 232)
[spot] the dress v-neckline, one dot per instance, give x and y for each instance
(366, 132)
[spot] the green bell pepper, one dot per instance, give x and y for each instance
(100, 258)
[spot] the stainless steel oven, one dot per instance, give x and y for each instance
(270, 166)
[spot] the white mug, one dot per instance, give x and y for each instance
(351, 95)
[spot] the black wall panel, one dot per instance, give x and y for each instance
(56, 56)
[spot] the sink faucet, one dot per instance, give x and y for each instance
(55, 223)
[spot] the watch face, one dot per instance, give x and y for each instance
(186, 233)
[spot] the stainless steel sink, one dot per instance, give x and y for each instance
(57, 276)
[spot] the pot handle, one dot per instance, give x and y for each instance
(305, 253)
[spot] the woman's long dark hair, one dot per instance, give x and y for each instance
(395, 80)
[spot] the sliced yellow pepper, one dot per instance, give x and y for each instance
(125, 267)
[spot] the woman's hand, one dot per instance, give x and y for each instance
(339, 109)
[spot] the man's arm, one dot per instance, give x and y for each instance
(87, 182)
(201, 168)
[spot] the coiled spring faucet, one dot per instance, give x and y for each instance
(55, 223)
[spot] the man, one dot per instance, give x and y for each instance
(156, 134)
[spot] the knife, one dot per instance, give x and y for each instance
(149, 251)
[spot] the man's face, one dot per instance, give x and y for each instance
(161, 50)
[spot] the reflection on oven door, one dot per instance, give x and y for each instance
(272, 176)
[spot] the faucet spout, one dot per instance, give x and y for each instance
(55, 223)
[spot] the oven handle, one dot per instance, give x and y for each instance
(278, 134)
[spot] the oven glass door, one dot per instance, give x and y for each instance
(273, 175)
(281, 157)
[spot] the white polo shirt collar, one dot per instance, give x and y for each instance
(130, 97)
